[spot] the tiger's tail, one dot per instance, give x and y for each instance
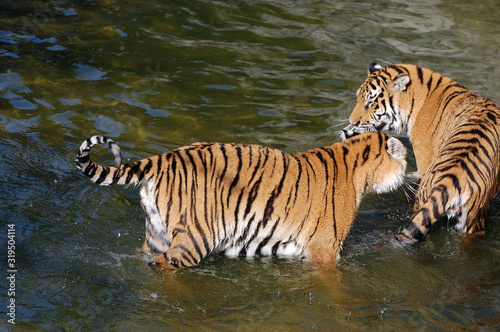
(120, 174)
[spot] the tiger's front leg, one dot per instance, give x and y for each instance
(175, 257)
(168, 261)
(184, 251)
(323, 252)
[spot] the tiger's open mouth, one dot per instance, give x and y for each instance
(351, 131)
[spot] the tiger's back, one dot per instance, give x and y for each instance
(249, 200)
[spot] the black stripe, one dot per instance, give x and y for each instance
(91, 170)
(384, 104)
(297, 183)
(89, 144)
(415, 232)
(258, 165)
(209, 220)
(429, 85)
(244, 235)
(160, 164)
(218, 189)
(440, 80)
(444, 194)
(238, 170)
(315, 229)
(465, 155)
(146, 169)
(83, 159)
(426, 219)
(258, 229)
(195, 168)
(191, 258)
(382, 139)
(195, 243)
(306, 157)
(133, 170)
(323, 161)
(223, 151)
(345, 152)
(435, 207)
(467, 169)
(308, 184)
(454, 179)
(452, 96)
(420, 74)
(274, 250)
(266, 240)
(254, 191)
(483, 136)
(269, 206)
(103, 175)
(366, 154)
(237, 209)
(397, 68)
(335, 175)
(186, 258)
(492, 117)
(185, 172)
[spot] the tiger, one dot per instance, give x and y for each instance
(249, 200)
(455, 134)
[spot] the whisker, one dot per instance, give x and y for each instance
(406, 194)
(339, 124)
(411, 189)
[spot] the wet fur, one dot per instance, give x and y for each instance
(250, 200)
(455, 135)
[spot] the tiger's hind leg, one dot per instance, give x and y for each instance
(439, 194)
(477, 225)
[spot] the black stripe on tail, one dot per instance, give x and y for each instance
(87, 166)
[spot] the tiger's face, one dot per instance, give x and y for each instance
(378, 102)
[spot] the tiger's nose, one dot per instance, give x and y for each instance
(356, 123)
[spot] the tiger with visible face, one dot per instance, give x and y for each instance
(455, 135)
(249, 200)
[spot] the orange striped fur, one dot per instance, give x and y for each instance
(249, 200)
(455, 135)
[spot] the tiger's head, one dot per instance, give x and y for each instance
(379, 101)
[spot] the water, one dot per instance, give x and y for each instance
(157, 75)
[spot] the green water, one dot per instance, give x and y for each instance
(156, 75)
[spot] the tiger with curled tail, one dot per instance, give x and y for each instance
(250, 200)
(455, 135)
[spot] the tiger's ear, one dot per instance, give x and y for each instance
(373, 67)
(395, 148)
(400, 83)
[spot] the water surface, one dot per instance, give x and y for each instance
(157, 75)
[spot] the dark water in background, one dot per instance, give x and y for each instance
(156, 75)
